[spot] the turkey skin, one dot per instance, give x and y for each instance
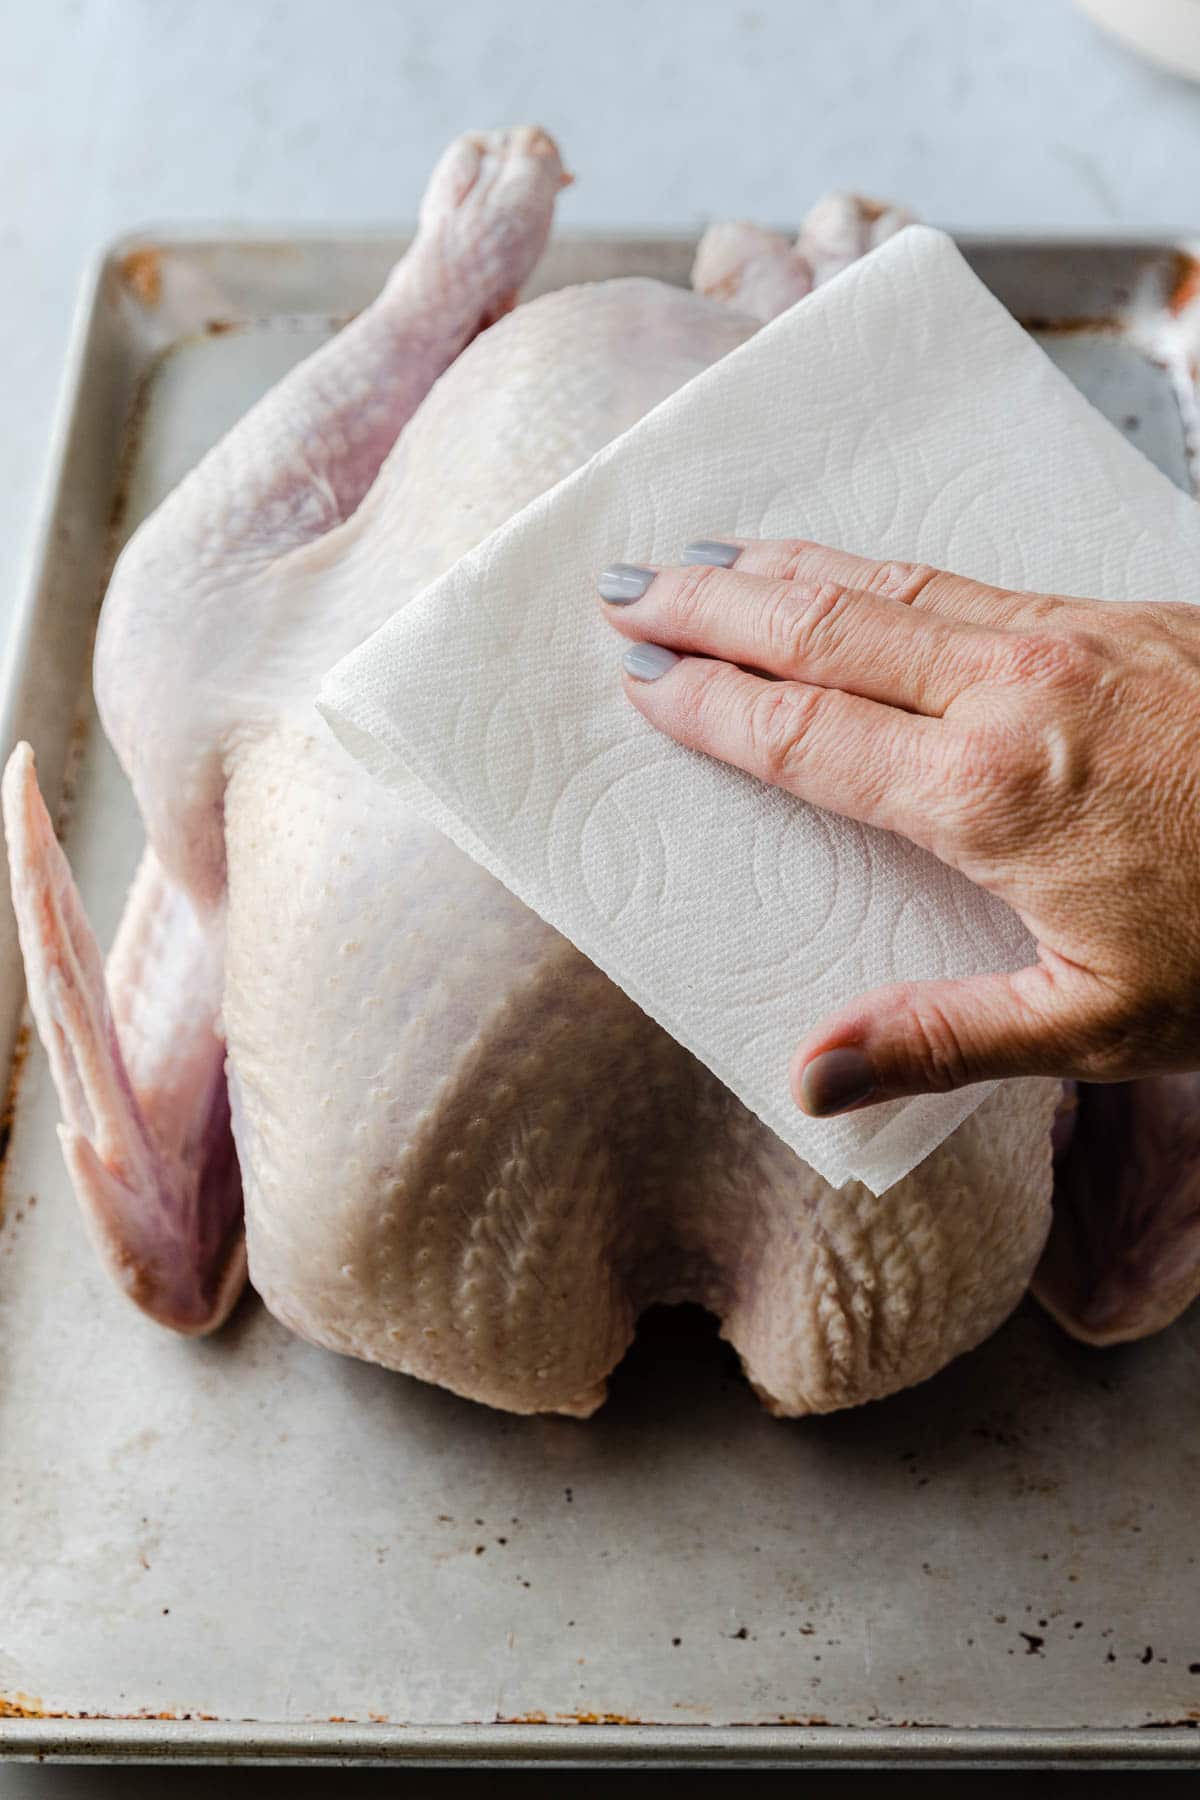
(330, 1048)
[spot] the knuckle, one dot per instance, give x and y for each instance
(994, 769)
(688, 600)
(1030, 611)
(990, 756)
(695, 703)
(778, 724)
(1133, 1030)
(794, 559)
(796, 624)
(1111, 1046)
(936, 1046)
(1174, 621)
(900, 581)
(1063, 659)
(893, 580)
(1088, 647)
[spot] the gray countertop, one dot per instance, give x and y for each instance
(116, 113)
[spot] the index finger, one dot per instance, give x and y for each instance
(837, 750)
(918, 585)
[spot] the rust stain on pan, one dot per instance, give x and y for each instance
(20, 1052)
(569, 1718)
(129, 449)
(807, 1721)
(141, 271)
(26, 1706)
(1185, 287)
(598, 1718)
(9, 1108)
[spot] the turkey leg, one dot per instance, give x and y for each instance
(138, 1058)
(1123, 1258)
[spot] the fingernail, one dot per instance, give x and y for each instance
(622, 583)
(835, 1080)
(708, 550)
(646, 662)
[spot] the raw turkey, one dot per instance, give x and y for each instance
(458, 1150)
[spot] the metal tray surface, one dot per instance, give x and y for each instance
(250, 1548)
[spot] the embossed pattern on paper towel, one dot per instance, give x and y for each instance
(897, 412)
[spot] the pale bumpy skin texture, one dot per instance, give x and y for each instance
(465, 1154)
(762, 272)
(530, 1161)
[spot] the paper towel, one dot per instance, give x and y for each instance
(897, 412)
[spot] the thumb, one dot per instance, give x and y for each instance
(930, 1037)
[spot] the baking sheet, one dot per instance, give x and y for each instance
(250, 1547)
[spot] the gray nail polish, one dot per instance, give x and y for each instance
(708, 550)
(835, 1080)
(622, 583)
(646, 662)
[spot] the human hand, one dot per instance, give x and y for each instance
(1048, 748)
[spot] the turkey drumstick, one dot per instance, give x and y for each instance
(139, 1062)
